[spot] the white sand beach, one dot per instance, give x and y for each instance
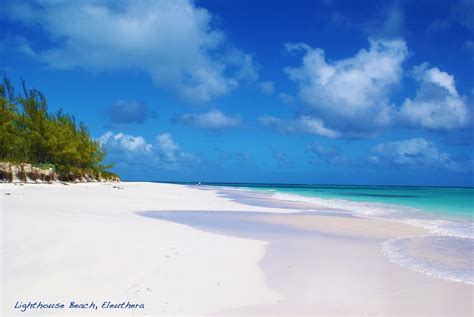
(101, 242)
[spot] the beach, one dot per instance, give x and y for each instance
(197, 250)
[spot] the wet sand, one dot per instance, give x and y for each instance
(330, 263)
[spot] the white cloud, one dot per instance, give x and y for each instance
(303, 124)
(416, 152)
(286, 98)
(173, 41)
(164, 153)
(214, 119)
(247, 68)
(125, 142)
(167, 146)
(441, 79)
(315, 126)
(351, 89)
(272, 122)
(437, 104)
(267, 87)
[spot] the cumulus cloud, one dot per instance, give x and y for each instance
(303, 124)
(164, 153)
(437, 104)
(125, 112)
(416, 152)
(173, 41)
(315, 126)
(167, 146)
(214, 119)
(344, 93)
(267, 87)
(124, 142)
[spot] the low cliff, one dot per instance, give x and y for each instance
(27, 173)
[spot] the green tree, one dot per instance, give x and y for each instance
(11, 142)
(29, 133)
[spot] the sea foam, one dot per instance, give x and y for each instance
(450, 258)
(461, 228)
(447, 252)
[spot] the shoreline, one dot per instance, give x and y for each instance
(201, 257)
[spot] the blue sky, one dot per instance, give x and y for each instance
(345, 92)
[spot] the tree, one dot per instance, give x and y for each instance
(30, 134)
(11, 143)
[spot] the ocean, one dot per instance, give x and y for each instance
(446, 212)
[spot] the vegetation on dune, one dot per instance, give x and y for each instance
(30, 134)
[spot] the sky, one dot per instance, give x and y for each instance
(310, 92)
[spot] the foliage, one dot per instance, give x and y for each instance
(30, 134)
(45, 166)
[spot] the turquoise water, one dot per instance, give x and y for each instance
(447, 251)
(449, 201)
(442, 210)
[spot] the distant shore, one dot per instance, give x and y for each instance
(178, 249)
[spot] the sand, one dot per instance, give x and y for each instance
(200, 251)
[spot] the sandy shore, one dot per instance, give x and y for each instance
(200, 251)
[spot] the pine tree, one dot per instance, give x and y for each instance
(30, 134)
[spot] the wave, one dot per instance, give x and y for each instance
(410, 215)
(445, 257)
(446, 253)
